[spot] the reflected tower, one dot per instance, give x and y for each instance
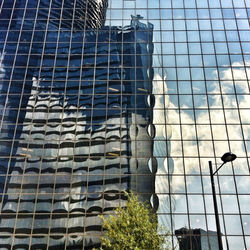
(196, 239)
(76, 122)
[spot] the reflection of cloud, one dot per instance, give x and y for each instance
(205, 132)
(161, 147)
(225, 134)
(161, 102)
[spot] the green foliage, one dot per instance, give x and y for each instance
(133, 227)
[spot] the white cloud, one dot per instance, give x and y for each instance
(205, 132)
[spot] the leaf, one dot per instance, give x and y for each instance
(133, 227)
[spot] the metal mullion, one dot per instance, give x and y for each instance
(65, 93)
(121, 117)
(20, 194)
(89, 158)
(1, 6)
(11, 151)
(124, 121)
(243, 137)
(39, 174)
(78, 109)
(14, 61)
(7, 94)
(169, 193)
(37, 189)
(201, 174)
(248, 14)
(106, 117)
(223, 110)
(135, 101)
(91, 115)
(235, 93)
(195, 124)
(209, 108)
(31, 43)
(181, 134)
(52, 81)
(150, 125)
(4, 47)
(46, 127)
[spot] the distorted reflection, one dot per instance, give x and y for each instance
(88, 111)
(74, 132)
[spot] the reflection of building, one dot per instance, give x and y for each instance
(75, 121)
(80, 123)
(196, 239)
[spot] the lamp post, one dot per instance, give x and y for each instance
(227, 157)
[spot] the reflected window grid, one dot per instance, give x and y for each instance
(211, 80)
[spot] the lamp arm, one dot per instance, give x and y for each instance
(219, 168)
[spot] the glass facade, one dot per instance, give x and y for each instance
(100, 97)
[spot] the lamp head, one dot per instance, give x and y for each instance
(227, 157)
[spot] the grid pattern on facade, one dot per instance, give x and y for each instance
(143, 102)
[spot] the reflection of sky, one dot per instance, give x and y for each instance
(214, 91)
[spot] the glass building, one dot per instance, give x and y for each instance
(99, 97)
(196, 239)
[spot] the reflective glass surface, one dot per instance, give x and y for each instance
(102, 97)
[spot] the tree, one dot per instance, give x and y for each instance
(133, 227)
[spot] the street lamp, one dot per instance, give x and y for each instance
(227, 157)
